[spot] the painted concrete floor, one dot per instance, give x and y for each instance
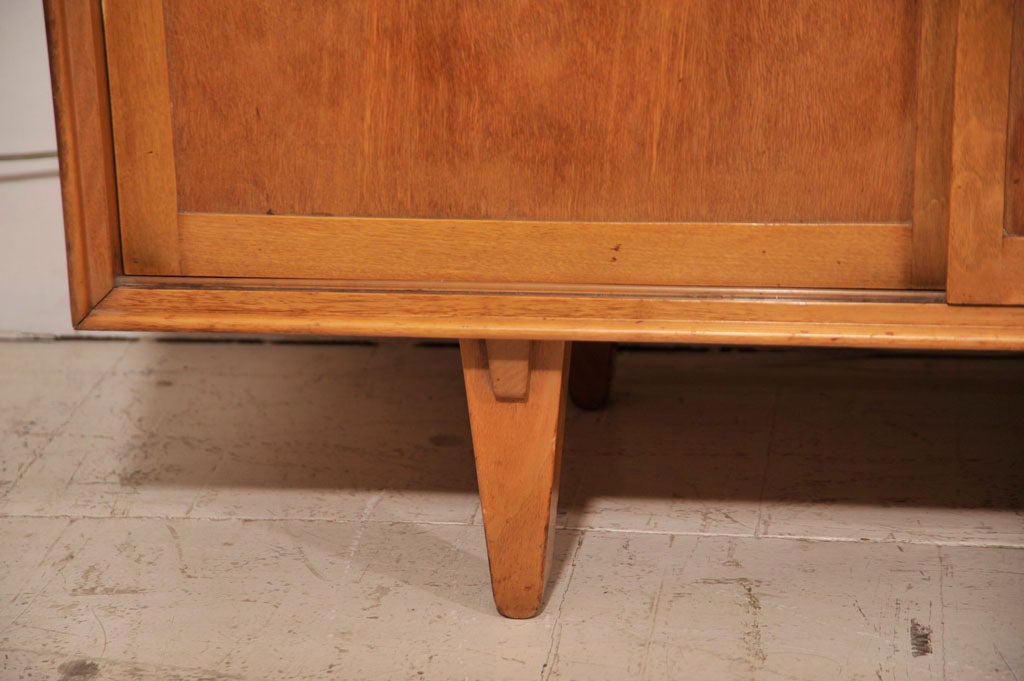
(180, 510)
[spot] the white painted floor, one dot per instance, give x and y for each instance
(174, 510)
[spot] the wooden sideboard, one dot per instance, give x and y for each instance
(519, 174)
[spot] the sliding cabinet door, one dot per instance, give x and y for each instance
(756, 143)
(986, 257)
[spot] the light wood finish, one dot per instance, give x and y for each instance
(934, 131)
(508, 364)
(461, 112)
(793, 321)
(518, 449)
(590, 374)
(650, 110)
(75, 34)
(141, 111)
(853, 256)
(986, 266)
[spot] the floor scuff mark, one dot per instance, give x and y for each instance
(920, 639)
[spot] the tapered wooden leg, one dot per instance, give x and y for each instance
(590, 374)
(516, 393)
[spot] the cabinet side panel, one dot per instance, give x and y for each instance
(81, 101)
(649, 110)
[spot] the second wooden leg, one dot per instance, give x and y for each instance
(590, 375)
(516, 393)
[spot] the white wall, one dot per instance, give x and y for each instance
(33, 272)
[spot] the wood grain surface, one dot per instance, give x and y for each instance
(661, 110)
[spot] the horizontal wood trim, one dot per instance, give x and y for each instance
(704, 254)
(554, 317)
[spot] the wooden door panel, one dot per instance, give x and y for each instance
(986, 251)
(646, 110)
(793, 143)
